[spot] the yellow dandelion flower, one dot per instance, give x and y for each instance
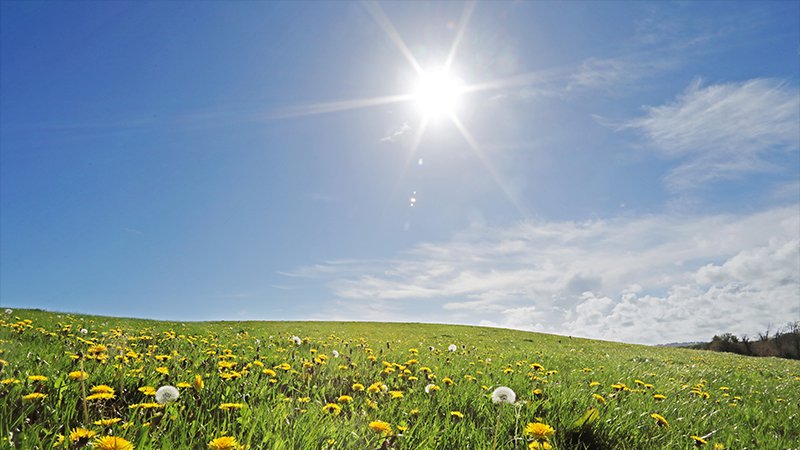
(660, 420)
(34, 396)
(284, 367)
(107, 422)
(396, 394)
(380, 427)
(414, 412)
(224, 443)
(599, 398)
(536, 445)
(539, 430)
(229, 406)
(102, 388)
(183, 385)
(9, 381)
(81, 434)
(147, 390)
(456, 414)
(345, 399)
(112, 443)
(719, 446)
(162, 370)
(698, 441)
(537, 392)
(594, 383)
(269, 372)
(37, 378)
(358, 387)
(659, 396)
(332, 408)
(447, 380)
(198, 383)
(101, 396)
(371, 404)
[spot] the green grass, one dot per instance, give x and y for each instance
(737, 402)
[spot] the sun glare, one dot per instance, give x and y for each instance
(438, 94)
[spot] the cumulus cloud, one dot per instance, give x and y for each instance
(653, 279)
(723, 131)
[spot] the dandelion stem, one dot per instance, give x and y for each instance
(83, 393)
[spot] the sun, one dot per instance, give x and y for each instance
(438, 94)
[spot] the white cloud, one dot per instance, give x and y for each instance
(396, 134)
(723, 131)
(617, 73)
(647, 279)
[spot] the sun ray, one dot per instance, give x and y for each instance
(465, 17)
(476, 148)
(339, 105)
(377, 13)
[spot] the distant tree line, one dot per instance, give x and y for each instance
(782, 343)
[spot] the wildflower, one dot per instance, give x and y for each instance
(101, 396)
(102, 389)
(503, 395)
(358, 387)
(536, 445)
(414, 412)
(84, 331)
(34, 396)
(224, 443)
(660, 420)
(107, 422)
(452, 348)
(147, 390)
(37, 378)
(335, 353)
(284, 366)
(376, 387)
(162, 370)
(81, 434)
(297, 340)
(198, 383)
(447, 380)
(227, 406)
(183, 385)
(599, 398)
(9, 311)
(332, 408)
(112, 443)
(9, 381)
(456, 414)
(167, 394)
(269, 372)
(537, 392)
(380, 427)
(539, 430)
(698, 441)
(431, 388)
(719, 446)
(345, 399)
(148, 405)
(659, 396)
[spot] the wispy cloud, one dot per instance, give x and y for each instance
(618, 73)
(396, 134)
(647, 279)
(723, 131)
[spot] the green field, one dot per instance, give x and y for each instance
(250, 385)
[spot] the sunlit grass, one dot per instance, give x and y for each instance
(363, 386)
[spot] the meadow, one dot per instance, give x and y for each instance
(75, 381)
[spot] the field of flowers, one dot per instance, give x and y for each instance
(73, 381)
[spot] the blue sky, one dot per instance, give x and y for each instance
(626, 171)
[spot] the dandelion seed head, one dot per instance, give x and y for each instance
(503, 395)
(167, 394)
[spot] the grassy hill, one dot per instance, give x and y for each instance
(320, 385)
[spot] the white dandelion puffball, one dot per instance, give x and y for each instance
(84, 331)
(9, 311)
(297, 340)
(452, 348)
(429, 388)
(167, 394)
(335, 354)
(503, 395)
